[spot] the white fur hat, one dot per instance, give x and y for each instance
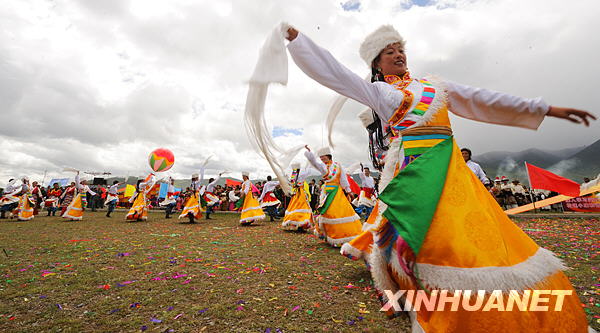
(324, 151)
(246, 173)
(366, 117)
(295, 165)
(377, 41)
(195, 175)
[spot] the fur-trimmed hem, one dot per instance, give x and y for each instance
(72, 218)
(351, 252)
(380, 273)
(25, 219)
(270, 203)
(252, 219)
(324, 220)
(337, 242)
(295, 225)
(524, 275)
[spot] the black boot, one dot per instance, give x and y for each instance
(208, 216)
(191, 217)
(48, 213)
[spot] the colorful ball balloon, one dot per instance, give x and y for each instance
(161, 159)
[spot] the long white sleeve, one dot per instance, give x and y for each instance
(232, 196)
(478, 171)
(322, 67)
(302, 175)
(495, 107)
(77, 183)
(320, 166)
(268, 187)
(344, 180)
(246, 186)
(211, 186)
(87, 189)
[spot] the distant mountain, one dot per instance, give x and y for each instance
(573, 163)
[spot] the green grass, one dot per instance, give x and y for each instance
(109, 275)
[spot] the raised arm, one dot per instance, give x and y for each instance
(322, 67)
(320, 166)
(504, 109)
(344, 180)
(77, 182)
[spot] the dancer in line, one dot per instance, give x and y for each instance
(112, 197)
(170, 200)
(25, 207)
(10, 198)
(298, 215)
(336, 222)
(139, 208)
(52, 198)
(268, 200)
(251, 210)
(367, 197)
(74, 211)
(210, 197)
(192, 209)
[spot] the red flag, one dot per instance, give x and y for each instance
(353, 185)
(231, 182)
(546, 180)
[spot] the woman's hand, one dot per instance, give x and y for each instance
(572, 115)
(292, 34)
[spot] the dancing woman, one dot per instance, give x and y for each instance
(139, 209)
(437, 227)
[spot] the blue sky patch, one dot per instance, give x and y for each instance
(351, 5)
(282, 131)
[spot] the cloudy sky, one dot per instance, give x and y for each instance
(97, 85)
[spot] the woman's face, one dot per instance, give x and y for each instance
(392, 60)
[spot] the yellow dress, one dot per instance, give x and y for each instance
(192, 205)
(337, 221)
(251, 210)
(298, 214)
(139, 209)
(25, 208)
(74, 211)
(450, 234)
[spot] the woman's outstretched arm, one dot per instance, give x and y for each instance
(322, 67)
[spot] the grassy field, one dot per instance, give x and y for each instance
(108, 275)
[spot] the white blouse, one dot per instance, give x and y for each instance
(465, 101)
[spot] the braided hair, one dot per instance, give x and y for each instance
(376, 132)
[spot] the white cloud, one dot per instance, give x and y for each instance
(98, 84)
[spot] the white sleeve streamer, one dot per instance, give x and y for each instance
(271, 67)
(334, 111)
